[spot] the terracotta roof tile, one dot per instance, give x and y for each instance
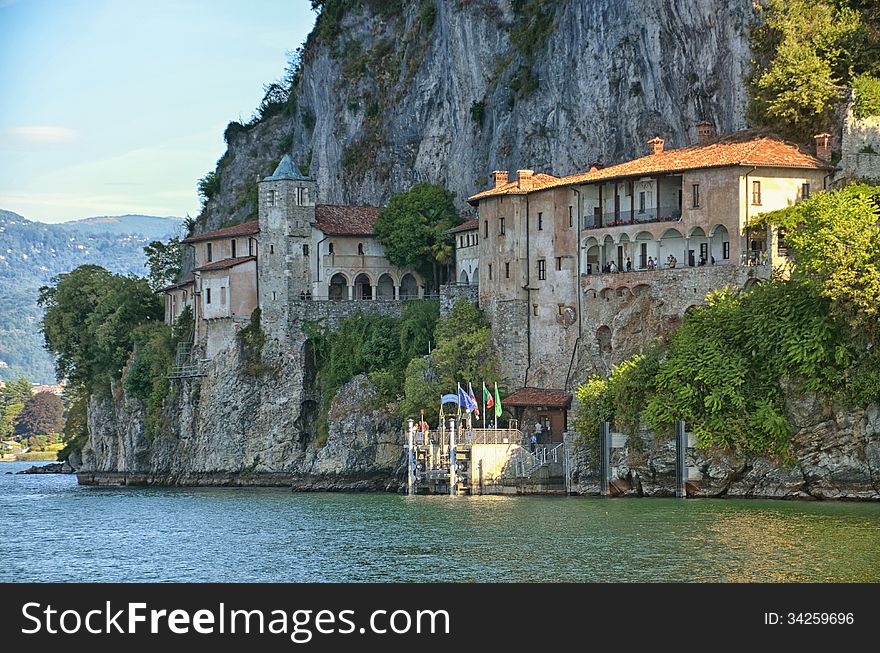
(244, 229)
(540, 180)
(465, 226)
(336, 220)
(222, 264)
(525, 397)
(739, 149)
(745, 148)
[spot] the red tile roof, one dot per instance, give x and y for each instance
(336, 220)
(525, 397)
(244, 229)
(745, 148)
(225, 263)
(539, 180)
(738, 149)
(465, 226)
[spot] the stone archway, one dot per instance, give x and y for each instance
(338, 289)
(409, 289)
(385, 287)
(363, 288)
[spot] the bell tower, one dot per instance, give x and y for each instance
(287, 213)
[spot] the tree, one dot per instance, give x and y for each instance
(164, 261)
(804, 52)
(91, 316)
(835, 243)
(13, 396)
(43, 414)
(413, 227)
(463, 354)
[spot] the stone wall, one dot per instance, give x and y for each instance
(835, 455)
(623, 312)
(330, 313)
(451, 294)
(860, 147)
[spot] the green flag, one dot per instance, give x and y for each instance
(497, 402)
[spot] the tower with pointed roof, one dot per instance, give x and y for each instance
(287, 213)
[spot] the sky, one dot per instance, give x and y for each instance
(110, 107)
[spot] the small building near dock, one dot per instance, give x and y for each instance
(549, 408)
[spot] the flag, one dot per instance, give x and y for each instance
(464, 400)
(497, 402)
(487, 397)
(476, 406)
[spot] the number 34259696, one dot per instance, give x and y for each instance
(808, 618)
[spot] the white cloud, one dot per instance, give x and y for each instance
(43, 135)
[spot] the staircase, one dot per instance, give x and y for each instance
(186, 365)
(541, 471)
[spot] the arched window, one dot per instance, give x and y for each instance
(360, 249)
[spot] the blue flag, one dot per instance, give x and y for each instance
(465, 401)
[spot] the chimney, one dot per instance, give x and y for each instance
(656, 144)
(705, 132)
(525, 179)
(500, 177)
(823, 146)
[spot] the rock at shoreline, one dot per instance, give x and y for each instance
(51, 468)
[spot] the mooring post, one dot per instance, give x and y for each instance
(453, 479)
(411, 461)
(604, 457)
(680, 460)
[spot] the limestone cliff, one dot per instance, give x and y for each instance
(448, 90)
(232, 428)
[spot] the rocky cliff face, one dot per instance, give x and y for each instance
(835, 455)
(230, 428)
(447, 90)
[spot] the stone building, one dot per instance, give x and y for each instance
(579, 272)
(297, 252)
(467, 253)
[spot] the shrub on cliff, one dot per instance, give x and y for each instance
(463, 353)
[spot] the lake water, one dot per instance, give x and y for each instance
(51, 529)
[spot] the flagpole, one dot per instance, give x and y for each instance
(484, 405)
(497, 416)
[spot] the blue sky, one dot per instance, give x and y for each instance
(119, 106)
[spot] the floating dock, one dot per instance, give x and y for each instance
(483, 461)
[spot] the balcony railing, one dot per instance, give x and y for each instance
(354, 261)
(618, 218)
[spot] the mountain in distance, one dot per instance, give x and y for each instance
(151, 226)
(32, 253)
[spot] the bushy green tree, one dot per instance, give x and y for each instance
(463, 354)
(804, 51)
(164, 262)
(76, 425)
(89, 323)
(412, 229)
(147, 375)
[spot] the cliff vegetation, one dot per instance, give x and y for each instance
(727, 369)
(803, 53)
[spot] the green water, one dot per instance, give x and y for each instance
(131, 534)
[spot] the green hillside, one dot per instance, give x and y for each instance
(31, 253)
